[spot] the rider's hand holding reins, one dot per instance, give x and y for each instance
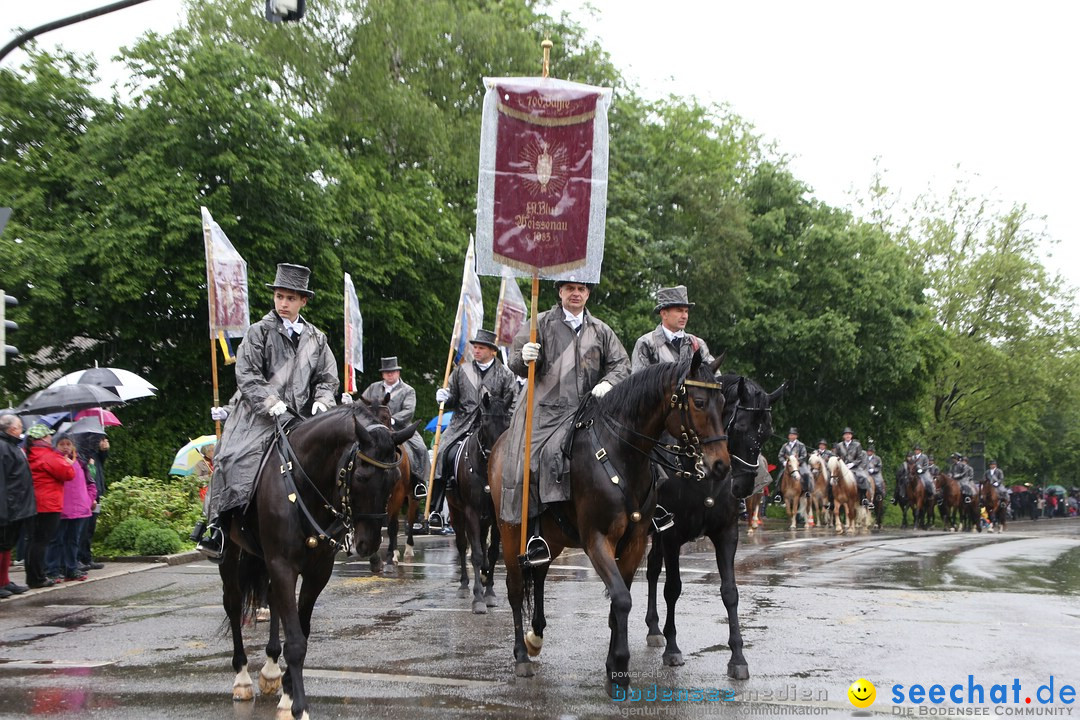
(601, 388)
(278, 408)
(317, 407)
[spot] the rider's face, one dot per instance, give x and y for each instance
(675, 317)
(288, 303)
(573, 296)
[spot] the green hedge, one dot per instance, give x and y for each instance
(147, 516)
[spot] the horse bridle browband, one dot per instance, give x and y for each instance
(344, 520)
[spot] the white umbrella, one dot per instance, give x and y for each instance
(124, 383)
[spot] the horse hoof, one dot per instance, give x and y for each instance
(750, 531)
(462, 593)
(409, 554)
(674, 660)
(243, 693)
(533, 643)
(523, 669)
(490, 601)
(614, 690)
(270, 678)
(479, 607)
(284, 708)
(738, 672)
(655, 640)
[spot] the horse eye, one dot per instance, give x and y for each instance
(699, 403)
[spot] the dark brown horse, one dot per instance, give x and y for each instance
(920, 498)
(711, 508)
(993, 498)
(471, 505)
(399, 496)
(952, 501)
(613, 493)
(328, 476)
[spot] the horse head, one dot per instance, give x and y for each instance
(696, 416)
(494, 419)
(748, 424)
(375, 471)
(792, 465)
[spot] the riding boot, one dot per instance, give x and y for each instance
(435, 520)
(213, 547)
(537, 551)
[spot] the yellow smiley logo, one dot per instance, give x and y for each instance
(862, 693)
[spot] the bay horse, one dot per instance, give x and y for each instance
(613, 493)
(711, 509)
(845, 493)
(791, 489)
(920, 497)
(471, 505)
(401, 495)
(821, 491)
(756, 502)
(952, 501)
(326, 477)
(991, 496)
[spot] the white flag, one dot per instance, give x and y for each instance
(354, 336)
(470, 312)
(511, 312)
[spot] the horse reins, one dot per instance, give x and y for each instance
(343, 519)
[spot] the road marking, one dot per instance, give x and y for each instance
(392, 677)
(52, 664)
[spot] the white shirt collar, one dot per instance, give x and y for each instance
(485, 366)
(670, 335)
(297, 326)
(573, 319)
(390, 388)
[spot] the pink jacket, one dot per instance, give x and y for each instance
(79, 495)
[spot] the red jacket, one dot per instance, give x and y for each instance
(50, 470)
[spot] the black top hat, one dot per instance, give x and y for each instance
(560, 283)
(916, 446)
(485, 337)
(292, 277)
(869, 447)
(793, 431)
(993, 462)
(672, 297)
(822, 441)
(388, 364)
(847, 430)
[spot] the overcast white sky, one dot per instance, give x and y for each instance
(990, 86)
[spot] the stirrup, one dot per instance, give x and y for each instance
(777, 498)
(213, 547)
(420, 491)
(662, 519)
(742, 505)
(435, 520)
(537, 552)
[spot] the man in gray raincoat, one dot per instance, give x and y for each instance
(575, 355)
(669, 342)
(851, 453)
(283, 365)
(402, 406)
(463, 394)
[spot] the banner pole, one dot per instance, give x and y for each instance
(438, 421)
(529, 389)
(210, 286)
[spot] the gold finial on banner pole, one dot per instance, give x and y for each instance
(547, 56)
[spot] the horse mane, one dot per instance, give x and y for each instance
(640, 394)
(332, 416)
(845, 471)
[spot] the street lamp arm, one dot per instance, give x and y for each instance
(55, 24)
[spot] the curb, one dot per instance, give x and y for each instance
(175, 559)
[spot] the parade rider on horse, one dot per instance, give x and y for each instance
(795, 447)
(575, 355)
(283, 365)
(851, 453)
(464, 395)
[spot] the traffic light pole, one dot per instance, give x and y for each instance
(56, 24)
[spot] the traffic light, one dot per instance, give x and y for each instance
(6, 325)
(285, 10)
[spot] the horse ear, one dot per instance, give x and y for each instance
(778, 392)
(717, 362)
(695, 362)
(386, 399)
(402, 435)
(361, 432)
(486, 399)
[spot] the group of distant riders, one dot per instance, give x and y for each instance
(866, 466)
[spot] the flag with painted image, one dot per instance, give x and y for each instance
(227, 286)
(470, 310)
(512, 311)
(354, 336)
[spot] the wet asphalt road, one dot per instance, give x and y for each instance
(818, 611)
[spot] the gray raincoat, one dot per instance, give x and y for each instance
(466, 387)
(653, 348)
(570, 365)
(402, 407)
(268, 368)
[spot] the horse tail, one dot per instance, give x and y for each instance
(253, 580)
(527, 585)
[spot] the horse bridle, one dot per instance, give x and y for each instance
(343, 520)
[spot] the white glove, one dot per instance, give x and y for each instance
(850, 465)
(530, 351)
(346, 399)
(601, 389)
(219, 413)
(317, 407)
(442, 395)
(278, 409)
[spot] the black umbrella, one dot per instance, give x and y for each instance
(68, 397)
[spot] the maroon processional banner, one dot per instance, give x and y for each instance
(542, 196)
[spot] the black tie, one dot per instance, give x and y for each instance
(676, 341)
